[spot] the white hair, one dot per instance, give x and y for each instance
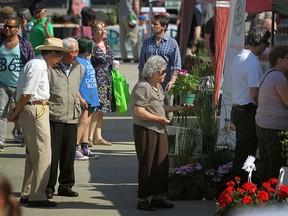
(153, 65)
(67, 42)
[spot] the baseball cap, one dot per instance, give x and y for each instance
(258, 35)
(38, 6)
(142, 17)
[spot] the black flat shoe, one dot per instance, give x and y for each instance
(49, 193)
(42, 203)
(67, 192)
(161, 203)
(145, 205)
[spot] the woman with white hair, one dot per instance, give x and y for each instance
(150, 135)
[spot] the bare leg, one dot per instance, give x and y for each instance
(97, 137)
(98, 129)
(85, 135)
(92, 126)
(83, 122)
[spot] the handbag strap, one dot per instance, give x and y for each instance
(265, 75)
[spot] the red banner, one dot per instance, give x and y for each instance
(221, 30)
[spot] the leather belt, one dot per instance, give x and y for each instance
(250, 107)
(237, 106)
(37, 103)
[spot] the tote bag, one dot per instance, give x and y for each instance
(121, 92)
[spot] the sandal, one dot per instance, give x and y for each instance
(145, 205)
(102, 142)
(161, 203)
(90, 144)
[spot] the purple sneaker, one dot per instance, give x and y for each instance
(79, 155)
(87, 152)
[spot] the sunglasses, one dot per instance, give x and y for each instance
(267, 43)
(162, 72)
(9, 26)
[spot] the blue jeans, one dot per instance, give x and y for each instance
(6, 94)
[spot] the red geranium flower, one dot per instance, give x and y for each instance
(263, 196)
(248, 194)
(237, 179)
(250, 187)
(246, 200)
(266, 185)
(229, 189)
(230, 184)
(283, 192)
(273, 181)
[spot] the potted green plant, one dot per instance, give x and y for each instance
(185, 86)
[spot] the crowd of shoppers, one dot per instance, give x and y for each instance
(32, 109)
(56, 94)
(63, 93)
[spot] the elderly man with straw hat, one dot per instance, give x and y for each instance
(32, 111)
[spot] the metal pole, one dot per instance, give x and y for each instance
(272, 29)
(150, 17)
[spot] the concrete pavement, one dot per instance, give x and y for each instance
(107, 186)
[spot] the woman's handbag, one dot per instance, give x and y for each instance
(121, 92)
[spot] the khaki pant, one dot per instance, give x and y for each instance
(133, 34)
(38, 152)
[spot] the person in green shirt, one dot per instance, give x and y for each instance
(42, 27)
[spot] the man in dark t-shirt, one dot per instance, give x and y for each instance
(209, 36)
(195, 31)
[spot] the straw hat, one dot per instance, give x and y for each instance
(54, 44)
(7, 11)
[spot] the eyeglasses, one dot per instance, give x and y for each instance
(9, 26)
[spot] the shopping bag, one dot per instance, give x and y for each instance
(121, 92)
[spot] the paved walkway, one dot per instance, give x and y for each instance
(107, 186)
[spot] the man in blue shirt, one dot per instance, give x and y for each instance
(164, 46)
